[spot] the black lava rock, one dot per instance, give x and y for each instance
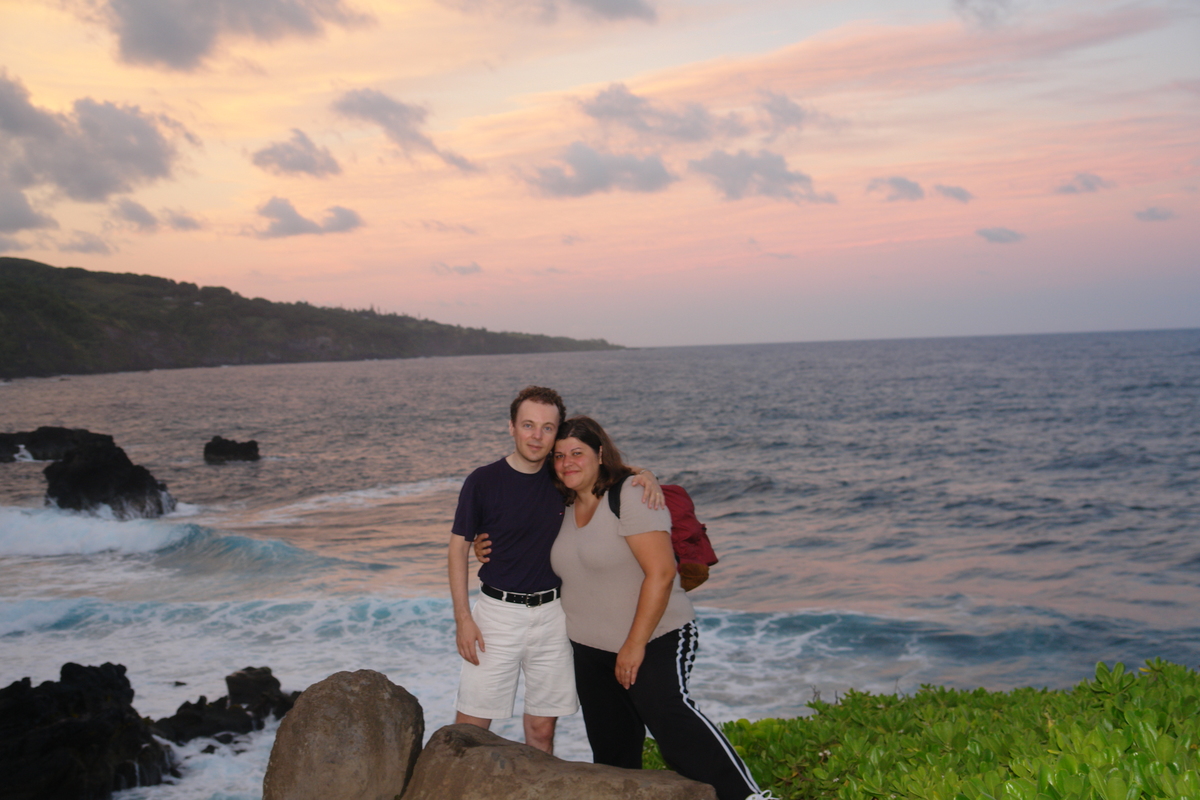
(48, 443)
(203, 718)
(258, 690)
(254, 693)
(77, 739)
(219, 450)
(96, 474)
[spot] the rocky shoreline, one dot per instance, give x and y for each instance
(351, 736)
(80, 738)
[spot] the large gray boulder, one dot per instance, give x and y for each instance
(464, 762)
(352, 736)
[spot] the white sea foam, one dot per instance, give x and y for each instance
(185, 510)
(352, 500)
(231, 771)
(739, 672)
(22, 616)
(51, 532)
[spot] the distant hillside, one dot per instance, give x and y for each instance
(56, 321)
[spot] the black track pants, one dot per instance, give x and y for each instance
(616, 719)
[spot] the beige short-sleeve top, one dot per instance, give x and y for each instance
(601, 579)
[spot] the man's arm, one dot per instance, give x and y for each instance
(652, 494)
(466, 631)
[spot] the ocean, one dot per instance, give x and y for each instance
(995, 512)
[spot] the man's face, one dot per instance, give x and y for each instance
(534, 430)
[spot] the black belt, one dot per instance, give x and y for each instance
(532, 599)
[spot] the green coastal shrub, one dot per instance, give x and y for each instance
(1120, 736)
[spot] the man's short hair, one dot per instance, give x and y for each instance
(538, 394)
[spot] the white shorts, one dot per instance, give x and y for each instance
(519, 638)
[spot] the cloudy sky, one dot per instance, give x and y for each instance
(648, 171)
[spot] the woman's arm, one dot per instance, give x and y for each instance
(657, 560)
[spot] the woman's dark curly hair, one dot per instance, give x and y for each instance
(612, 468)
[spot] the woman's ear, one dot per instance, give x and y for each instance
(600, 455)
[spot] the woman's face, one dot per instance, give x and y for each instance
(577, 465)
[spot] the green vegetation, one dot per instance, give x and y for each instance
(1118, 737)
(72, 321)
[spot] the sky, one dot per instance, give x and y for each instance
(651, 172)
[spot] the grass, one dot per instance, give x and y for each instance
(1119, 736)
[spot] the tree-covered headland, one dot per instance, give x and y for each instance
(56, 321)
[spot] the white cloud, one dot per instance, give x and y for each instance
(442, 268)
(985, 13)
(339, 219)
(136, 214)
(447, 227)
(741, 174)
(1155, 214)
(954, 193)
(1000, 235)
(401, 123)
(98, 150)
(182, 34)
(88, 243)
(181, 220)
(17, 215)
(598, 171)
(897, 188)
(298, 156)
(287, 221)
(783, 114)
(548, 11)
(10, 245)
(617, 9)
(693, 123)
(1083, 183)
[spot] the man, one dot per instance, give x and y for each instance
(517, 623)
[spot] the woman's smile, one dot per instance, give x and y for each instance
(577, 465)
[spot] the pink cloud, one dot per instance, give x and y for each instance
(911, 58)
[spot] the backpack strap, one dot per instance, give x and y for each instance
(614, 497)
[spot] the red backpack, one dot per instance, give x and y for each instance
(689, 536)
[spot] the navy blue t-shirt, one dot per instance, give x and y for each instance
(521, 514)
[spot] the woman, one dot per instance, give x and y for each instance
(631, 626)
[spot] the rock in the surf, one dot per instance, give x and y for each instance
(47, 443)
(79, 737)
(469, 763)
(259, 692)
(219, 450)
(202, 718)
(100, 474)
(353, 736)
(9, 447)
(254, 694)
